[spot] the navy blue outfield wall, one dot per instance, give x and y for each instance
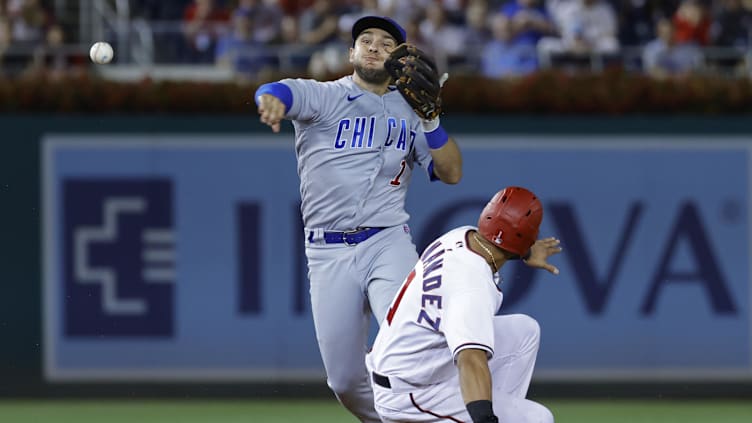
(654, 213)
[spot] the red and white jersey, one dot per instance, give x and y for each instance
(445, 305)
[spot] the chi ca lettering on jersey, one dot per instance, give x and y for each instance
(358, 132)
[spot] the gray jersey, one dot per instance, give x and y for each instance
(356, 151)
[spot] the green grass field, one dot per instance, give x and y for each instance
(320, 411)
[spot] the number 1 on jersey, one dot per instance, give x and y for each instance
(396, 180)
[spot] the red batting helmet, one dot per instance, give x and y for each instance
(511, 220)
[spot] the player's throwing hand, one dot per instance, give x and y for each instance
(272, 110)
(541, 250)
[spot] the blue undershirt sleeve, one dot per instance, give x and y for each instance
(431, 175)
(277, 89)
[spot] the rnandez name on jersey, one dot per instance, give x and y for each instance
(359, 133)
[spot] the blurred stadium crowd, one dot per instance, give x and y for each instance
(494, 38)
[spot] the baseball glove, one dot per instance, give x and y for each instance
(417, 79)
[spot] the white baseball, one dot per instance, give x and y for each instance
(101, 53)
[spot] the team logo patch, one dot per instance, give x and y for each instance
(119, 257)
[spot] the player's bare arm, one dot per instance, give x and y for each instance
(272, 110)
(475, 377)
(475, 384)
(447, 162)
(541, 250)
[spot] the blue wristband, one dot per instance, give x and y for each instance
(277, 89)
(437, 138)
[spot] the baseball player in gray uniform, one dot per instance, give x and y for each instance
(357, 141)
(441, 354)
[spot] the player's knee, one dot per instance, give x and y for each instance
(343, 385)
(530, 334)
(542, 415)
(530, 328)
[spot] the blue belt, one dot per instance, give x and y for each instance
(350, 237)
